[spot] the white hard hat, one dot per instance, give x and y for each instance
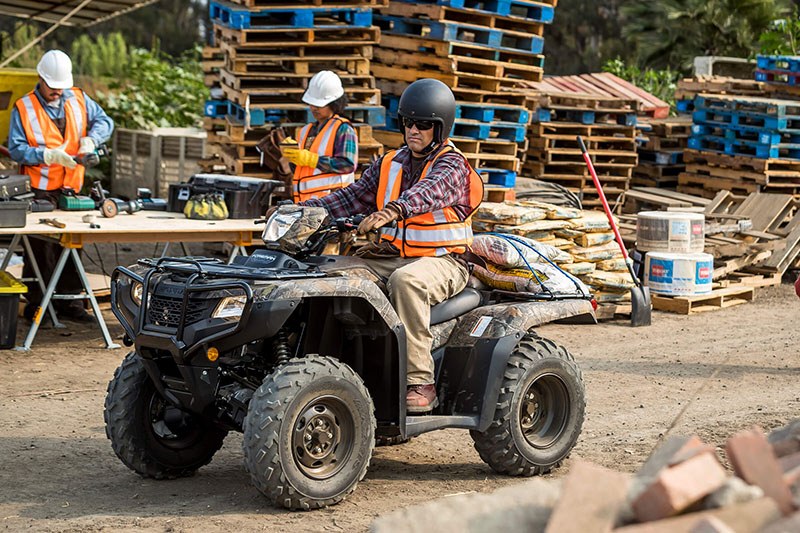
(55, 68)
(324, 88)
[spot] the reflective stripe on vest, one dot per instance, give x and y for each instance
(430, 234)
(312, 182)
(41, 131)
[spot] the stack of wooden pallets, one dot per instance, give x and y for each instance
(607, 126)
(483, 50)
(743, 144)
(661, 145)
(264, 54)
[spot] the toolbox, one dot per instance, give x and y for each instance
(14, 185)
(244, 196)
(13, 213)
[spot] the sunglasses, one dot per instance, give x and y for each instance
(421, 125)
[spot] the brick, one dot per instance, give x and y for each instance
(590, 500)
(711, 524)
(749, 517)
(680, 486)
(754, 461)
(786, 440)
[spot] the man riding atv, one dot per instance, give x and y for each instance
(431, 190)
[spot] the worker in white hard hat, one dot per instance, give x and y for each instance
(326, 153)
(50, 126)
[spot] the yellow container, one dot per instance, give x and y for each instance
(14, 84)
(10, 285)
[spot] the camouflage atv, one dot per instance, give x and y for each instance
(305, 355)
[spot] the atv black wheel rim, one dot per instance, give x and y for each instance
(170, 426)
(544, 410)
(323, 437)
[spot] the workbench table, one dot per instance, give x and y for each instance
(140, 227)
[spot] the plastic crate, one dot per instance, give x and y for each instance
(13, 213)
(10, 289)
(154, 159)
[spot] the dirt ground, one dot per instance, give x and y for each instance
(58, 472)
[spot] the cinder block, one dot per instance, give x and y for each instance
(590, 500)
(749, 517)
(753, 460)
(680, 486)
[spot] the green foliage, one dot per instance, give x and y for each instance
(106, 56)
(157, 92)
(783, 36)
(659, 83)
(21, 35)
(670, 33)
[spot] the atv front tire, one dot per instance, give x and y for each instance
(539, 412)
(151, 436)
(309, 433)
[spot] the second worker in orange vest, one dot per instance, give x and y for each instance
(326, 154)
(430, 189)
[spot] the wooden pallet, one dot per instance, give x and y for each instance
(401, 44)
(327, 4)
(572, 129)
(665, 143)
(688, 88)
(466, 94)
(595, 103)
(568, 155)
(594, 143)
(715, 300)
(255, 65)
(235, 52)
(278, 38)
(283, 95)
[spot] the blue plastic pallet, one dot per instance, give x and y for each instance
(532, 11)
(685, 106)
(760, 136)
(244, 19)
(215, 108)
(744, 148)
(474, 111)
(581, 116)
(783, 77)
(778, 62)
(453, 31)
(742, 119)
(499, 176)
(745, 105)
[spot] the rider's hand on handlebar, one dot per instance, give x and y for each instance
(378, 219)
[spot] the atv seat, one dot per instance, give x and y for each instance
(463, 302)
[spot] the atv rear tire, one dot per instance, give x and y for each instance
(151, 436)
(539, 413)
(309, 433)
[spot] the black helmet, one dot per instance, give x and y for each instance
(429, 99)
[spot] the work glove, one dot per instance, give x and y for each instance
(301, 158)
(378, 219)
(87, 146)
(271, 156)
(58, 156)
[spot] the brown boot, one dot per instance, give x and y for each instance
(421, 398)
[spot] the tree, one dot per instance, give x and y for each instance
(670, 33)
(20, 35)
(584, 33)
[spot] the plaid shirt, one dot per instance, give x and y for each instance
(447, 185)
(345, 149)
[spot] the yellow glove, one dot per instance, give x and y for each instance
(301, 158)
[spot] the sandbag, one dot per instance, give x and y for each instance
(502, 213)
(603, 252)
(510, 253)
(603, 297)
(554, 212)
(591, 221)
(613, 265)
(617, 281)
(587, 240)
(579, 269)
(568, 233)
(530, 228)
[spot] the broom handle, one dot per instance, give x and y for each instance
(599, 188)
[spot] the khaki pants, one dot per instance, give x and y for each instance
(415, 285)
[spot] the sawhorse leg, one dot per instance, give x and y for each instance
(166, 248)
(35, 265)
(51, 289)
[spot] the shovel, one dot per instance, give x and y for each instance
(641, 306)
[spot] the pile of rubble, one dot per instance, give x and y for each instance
(682, 487)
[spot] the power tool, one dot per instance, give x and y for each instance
(71, 201)
(111, 207)
(145, 196)
(92, 159)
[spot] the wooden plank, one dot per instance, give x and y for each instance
(740, 262)
(782, 259)
(767, 211)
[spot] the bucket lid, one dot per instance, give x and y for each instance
(674, 256)
(671, 215)
(10, 285)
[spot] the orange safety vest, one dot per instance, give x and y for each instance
(42, 131)
(430, 234)
(312, 182)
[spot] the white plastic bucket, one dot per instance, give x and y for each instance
(666, 231)
(678, 274)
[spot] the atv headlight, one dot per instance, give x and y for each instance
(136, 292)
(230, 307)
